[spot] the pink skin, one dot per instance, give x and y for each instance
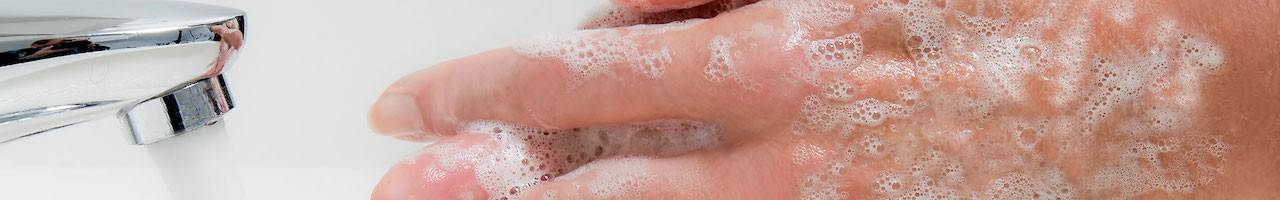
(659, 5)
(232, 38)
(672, 175)
(453, 184)
(759, 155)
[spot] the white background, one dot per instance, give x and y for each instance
(302, 85)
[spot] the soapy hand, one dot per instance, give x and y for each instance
(821, 99)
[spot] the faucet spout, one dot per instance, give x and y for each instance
(157, 65)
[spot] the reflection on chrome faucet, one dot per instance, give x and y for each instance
(48, 48)
(156, 64)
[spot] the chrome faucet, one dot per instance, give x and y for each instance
(157, 65)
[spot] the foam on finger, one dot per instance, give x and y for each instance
(995, 85)
(526, 157)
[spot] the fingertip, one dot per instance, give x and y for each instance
(398, 115)
(427, 105)
(393, 186)
(438, 172)
(410, 181)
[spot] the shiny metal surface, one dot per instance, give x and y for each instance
(155, 64)
(193, 106)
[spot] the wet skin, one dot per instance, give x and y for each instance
(968, 131)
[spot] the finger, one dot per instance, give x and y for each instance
(442, 171)
(692, 71)
(636, 178)
(743, 173)
(624, 13)
(658, 5)
(808, 169)
(501, 160)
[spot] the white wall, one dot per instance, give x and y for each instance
(302, 86)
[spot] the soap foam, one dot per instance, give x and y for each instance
(591, 53)
(1132, 102)
(889, 184)
(1122, 11)
(816, 187)
(804, 154)
(873, 146)
(1019, 186)
(840, 90)
(824, 116)
(837, 54)
(528, 156)
(721, 66)
(803, 16)
(620, 177)
(433, 175)
(990, 61)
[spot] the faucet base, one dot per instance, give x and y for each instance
(196, 105)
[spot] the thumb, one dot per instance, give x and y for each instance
(652, 6)
(634, 12)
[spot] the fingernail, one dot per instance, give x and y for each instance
(397, 115)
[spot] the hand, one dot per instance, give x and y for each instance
(822, 100)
